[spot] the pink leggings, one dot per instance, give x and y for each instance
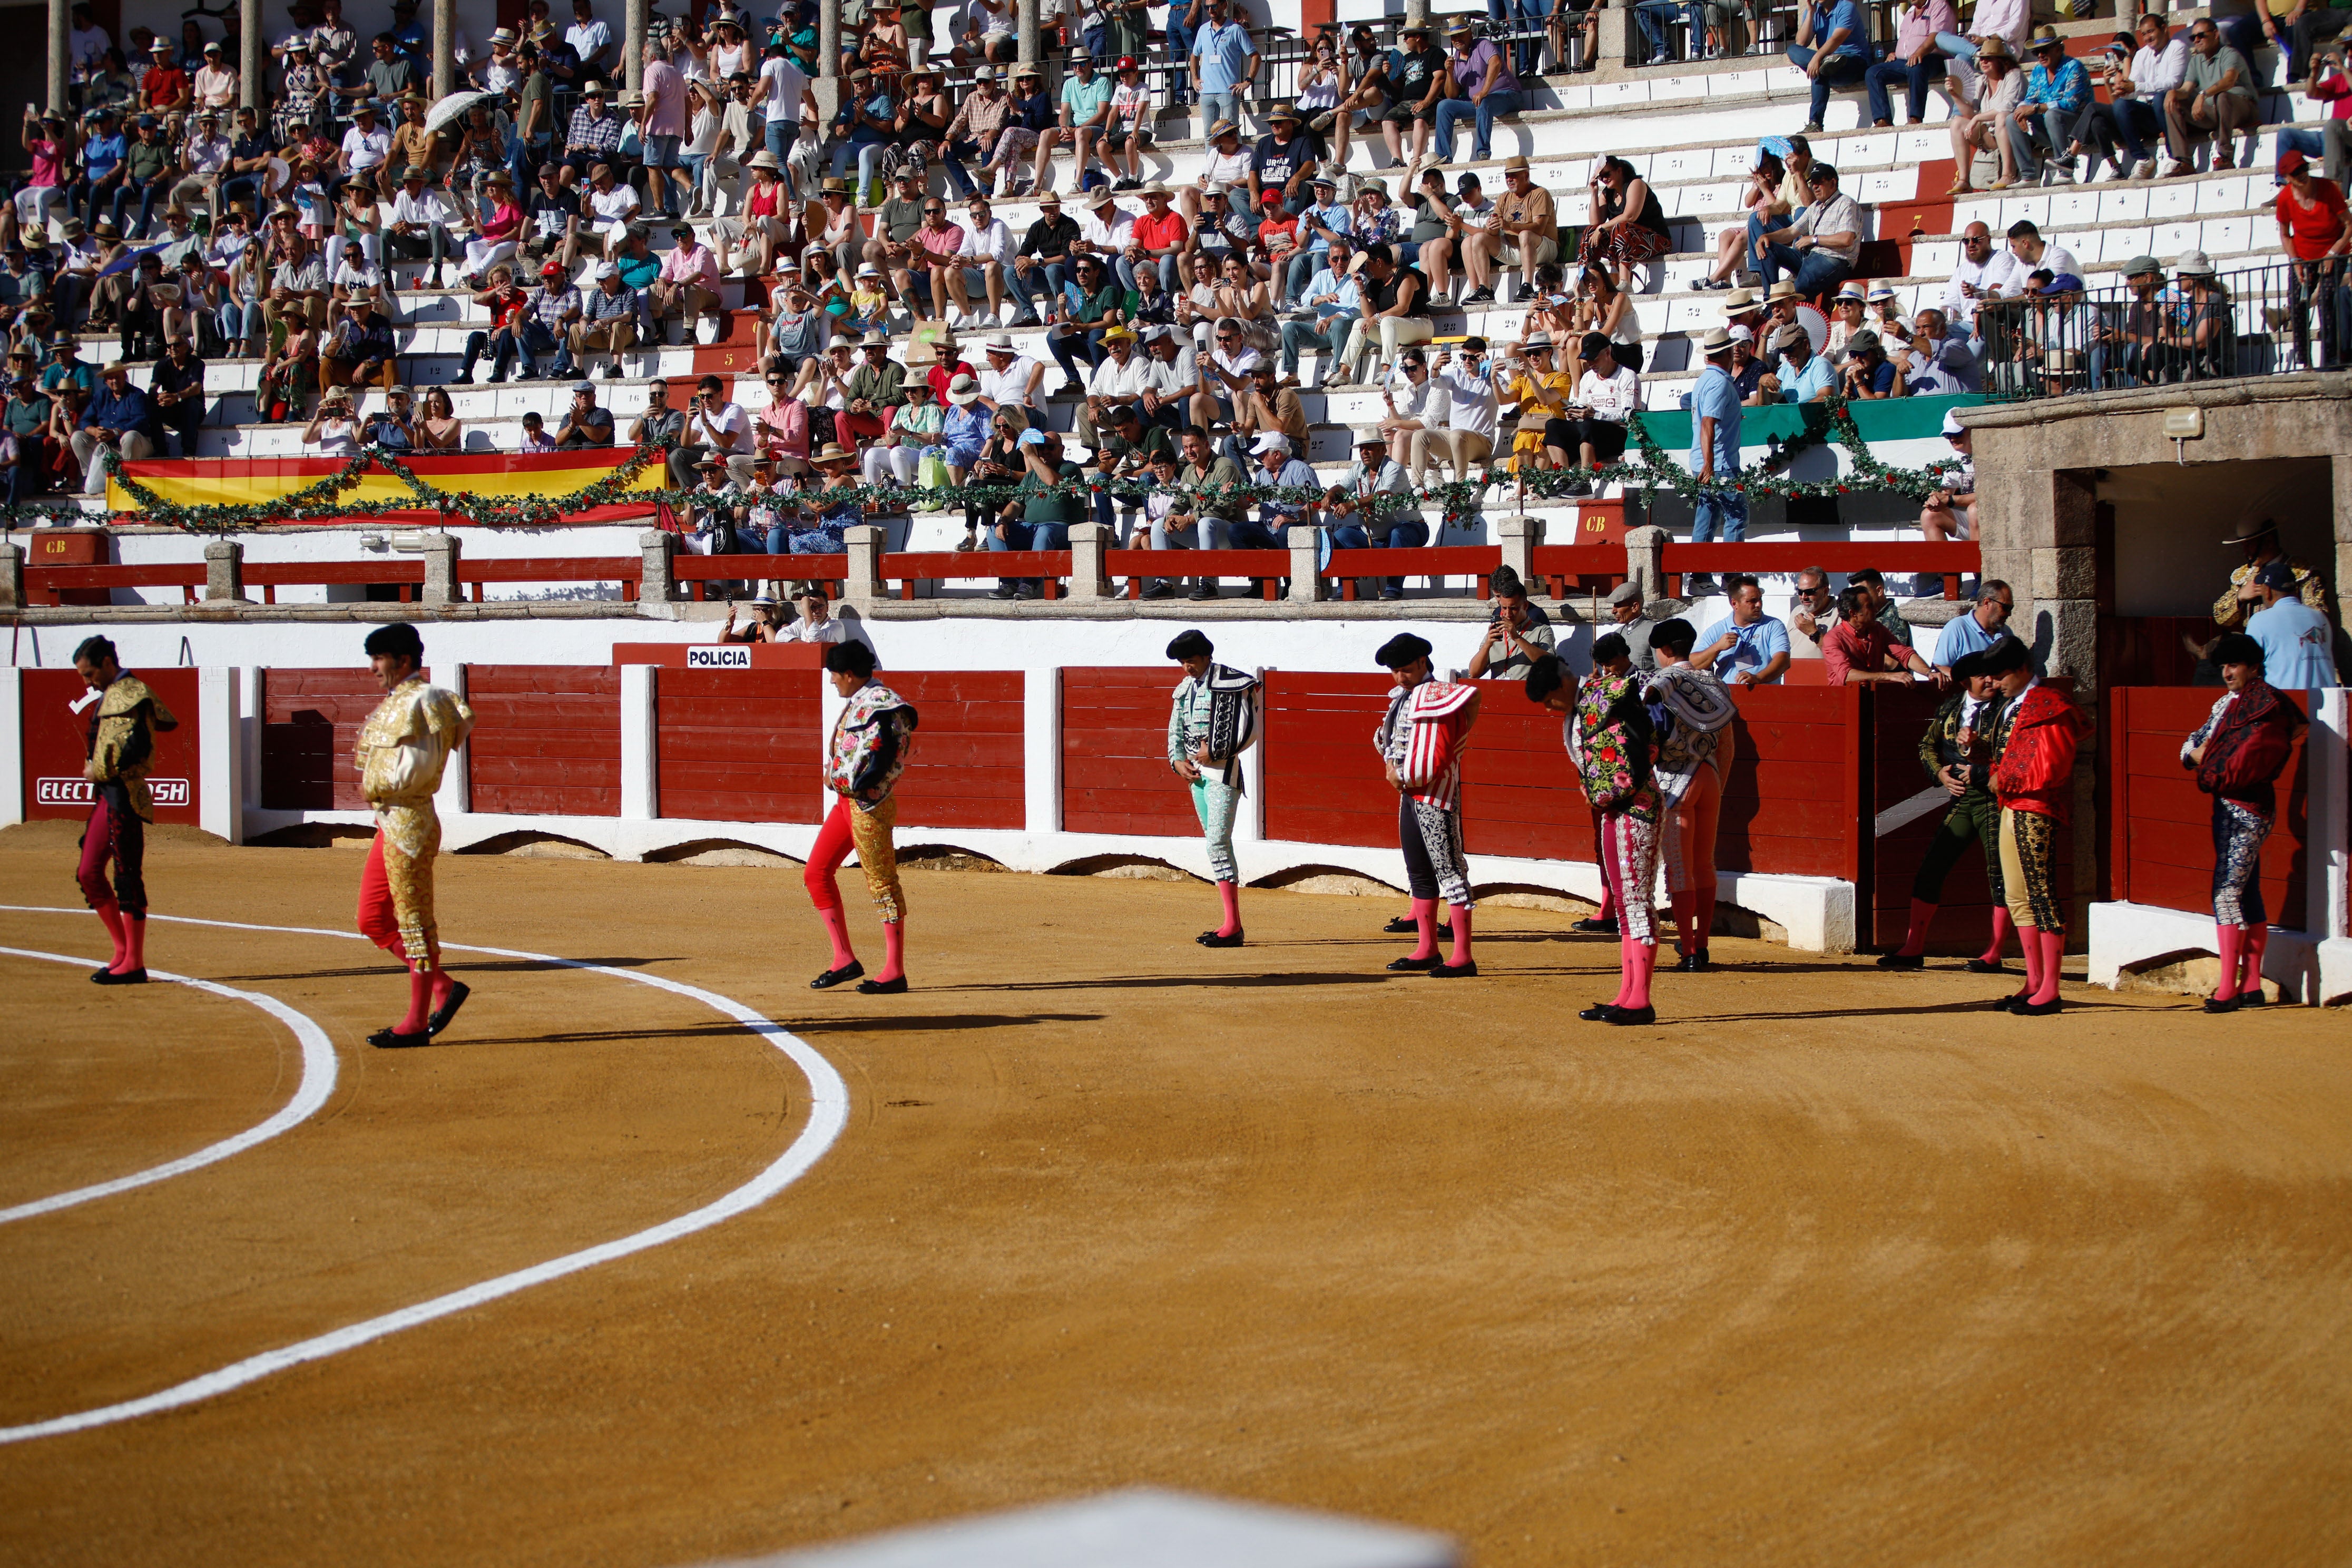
(114, 832)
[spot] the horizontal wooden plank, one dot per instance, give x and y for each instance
(738, 806)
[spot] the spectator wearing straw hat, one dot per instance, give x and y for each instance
(1714, 449)
(421, 218)
(2055, 104)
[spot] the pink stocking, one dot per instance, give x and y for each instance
(134, 943)
(2000, 930)
(420, 1003)
(1685, 938)
(2030, 941)
(1641, 958)
(110, 914)
(837, 926)
(1914, 941)
(1232, 897)
(2233, 942)
(2053, 950)
(2258, 942)
(894, 950)
(1424, 916)
(1461, 935)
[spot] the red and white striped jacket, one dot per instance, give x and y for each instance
(1424, 734)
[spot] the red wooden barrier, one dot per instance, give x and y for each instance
(1267, 566)
(546, 740)
(1793, 803)
(1584, 565)
(909, 567)
(736, 745)
(2159, 822)
(969, 768)
(1476, 562)
(1520, 795)
(49, 584)
(54, 745)
(311, 719)
(1323, 782)
(1892, 556)
(1115, 772)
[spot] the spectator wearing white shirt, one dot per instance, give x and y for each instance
(1337, 303)
(715, 428)
(983, 259)
(366, 144)
(2135, 96)
(1984, 273)
(1168, 379)
(784, 91)
(1226, 370)
(1109, 230)
(1416, 402)
(1607, 396)
(420, 221)
(205, 160)
(589, 40)
(356, 278)
(1117, 383)
(610, 207)
(1013, 379)
(2031, 251)
(1469, 435)
(86, 43)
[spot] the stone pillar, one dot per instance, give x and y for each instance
(60, 39)
(655, 584)
(2340, 493)
(1646, 562)
(1089, 580)
(441, 587)
(1612, 41)
(12, 576)
(1416, 12)
(252, 60)
(1026, 27)
(633, 32)
(223, 572)
(864, 587)
(828, 66)
(2061, 624)
(1306, 587)
(1519, 535)
(445, 47)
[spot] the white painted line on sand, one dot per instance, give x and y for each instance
(828, 1113)
(310, 1096)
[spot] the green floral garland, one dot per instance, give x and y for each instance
(1655, 472)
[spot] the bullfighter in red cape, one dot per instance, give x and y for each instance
(1420, 740)
(2034, 780)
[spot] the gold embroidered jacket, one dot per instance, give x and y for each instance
(121, 745)
(406, 743)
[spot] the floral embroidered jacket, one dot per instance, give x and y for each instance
(871, 741)
(1613, 747)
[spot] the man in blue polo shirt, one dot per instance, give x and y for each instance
(119, 415)
(2296, 640)
(1833, 48)
(1714, 452)
(1748, 646)
(1224, 61)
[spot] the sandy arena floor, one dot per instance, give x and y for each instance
(1834, 1267)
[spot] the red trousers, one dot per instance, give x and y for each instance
(115, 832)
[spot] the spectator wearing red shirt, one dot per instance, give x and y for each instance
(165, 86)
(2313, 217)
(1276, 221)
(1859, 648)
(1161, 235)
(938, 241)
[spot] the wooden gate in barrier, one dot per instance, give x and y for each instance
(546, 740)
(1115, 772)
(736, 745)
(310, 722)
(970, 761)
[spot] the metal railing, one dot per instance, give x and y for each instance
(2257, 321)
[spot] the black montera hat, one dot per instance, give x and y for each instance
(1401, 649)
(1190, 644)
(2003, 656)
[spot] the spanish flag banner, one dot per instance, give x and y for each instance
(491, 476)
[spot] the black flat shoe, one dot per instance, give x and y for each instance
(1597, 928)
(1692, 963)
(1631, 1016)
(2039, 1009)
(1215, 939)
(1404, 965)
(2217, 1004)
(1978, 966)
(1902, 961)
(883, 987)
(458, 991)
(1405, 925)
(2006, 1004)
(128, 977)
(1456, 970)
(1597, 1013)
(2245, 998)
(392, 1040)
(833, 977)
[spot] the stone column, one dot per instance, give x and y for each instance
(655, 584)
(1027, 26)
(445, 47)
(12, 576)
(60, 39)
(1089, 580)
(864, 587)
(633, 33)
(252, 59)
(1612, 41)
(1306, 587)
(223, 572)
(441, 585)
(1646, 562)
(1519, 536)
(828, 65)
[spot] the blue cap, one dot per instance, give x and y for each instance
(2276, 574)
(147, 122)
(2063, 283)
